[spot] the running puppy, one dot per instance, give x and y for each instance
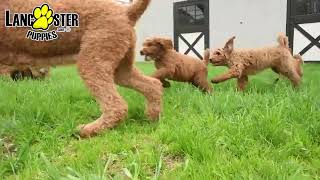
(245, 62)
(172, 65)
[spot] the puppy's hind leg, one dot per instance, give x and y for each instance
(298, 62)
(97, 64)
(130, 77)
(295, 78)
(291, 73)
(201, 82)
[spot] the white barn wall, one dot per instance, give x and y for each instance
(261, 21)
(300, 41)
(157, 21)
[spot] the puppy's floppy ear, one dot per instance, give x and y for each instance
(166, 43)
(228, 47)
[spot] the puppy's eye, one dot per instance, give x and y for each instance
(218, 53)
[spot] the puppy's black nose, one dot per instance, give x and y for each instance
(141, 53)
(210, 60)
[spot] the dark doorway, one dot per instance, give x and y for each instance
(191, 27)
(301, 12)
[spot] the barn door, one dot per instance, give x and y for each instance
(303, 28)
(191, 27)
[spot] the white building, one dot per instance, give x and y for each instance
(255, 23)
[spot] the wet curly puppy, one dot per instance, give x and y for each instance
(104, 44)
(172, 65)
(245, 62)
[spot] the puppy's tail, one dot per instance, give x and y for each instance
(283, 41)
(136, 10)
(206, 57)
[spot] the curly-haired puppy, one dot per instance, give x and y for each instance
(245, 62)
(104, 44)
(172, 65)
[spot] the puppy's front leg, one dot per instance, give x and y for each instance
(165, 83)
(162, 74)
(234, 72)
(242, 82)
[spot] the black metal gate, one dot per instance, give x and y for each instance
(191, 27)
(302, 12)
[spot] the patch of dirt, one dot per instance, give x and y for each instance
(114, 165)
(173, 161)
(7, 146)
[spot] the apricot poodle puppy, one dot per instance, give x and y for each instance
(104, 44)
(172, 65)
(245, 62)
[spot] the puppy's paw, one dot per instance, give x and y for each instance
(86, 131)
(214, 81)
(153, 111)
(166, 84)
(209, 91)
(153, 114)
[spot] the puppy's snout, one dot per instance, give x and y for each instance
(210, 59)
(141, 53)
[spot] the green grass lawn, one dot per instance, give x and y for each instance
(269, 132)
